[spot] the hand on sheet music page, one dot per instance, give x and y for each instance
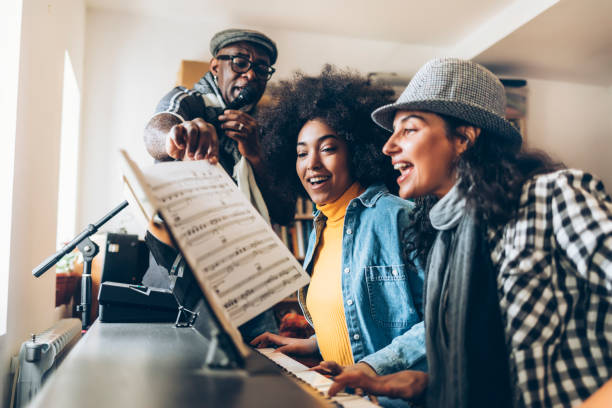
(193, 140)
(241, 127)
(408, 384)
(287, 345)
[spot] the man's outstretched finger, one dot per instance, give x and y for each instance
(193, 138)
(212, 153)
(206, 144)
(203, 145)
(180, 135)
(175, 142)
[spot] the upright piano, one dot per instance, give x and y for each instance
(159, 365)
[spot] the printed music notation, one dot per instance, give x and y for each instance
(229, 247)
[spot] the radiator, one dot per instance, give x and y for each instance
(39, 356)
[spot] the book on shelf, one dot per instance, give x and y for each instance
(239, 262)
(301, 246)
(299, 206)
(285, 237)
(293, 239)
(296, 235)
(308, 207)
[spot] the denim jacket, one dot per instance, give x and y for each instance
(382, 292)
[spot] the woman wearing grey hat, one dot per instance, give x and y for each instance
(519, 279)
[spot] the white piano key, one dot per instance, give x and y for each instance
(352, 401)
(313, 378)
(317, 381)
(323, 388)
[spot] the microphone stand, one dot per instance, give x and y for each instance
(89, 249)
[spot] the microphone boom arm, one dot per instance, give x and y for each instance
(89, 249)
(87, 232)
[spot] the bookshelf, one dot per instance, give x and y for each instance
(295, 236)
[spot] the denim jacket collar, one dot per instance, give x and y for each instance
(372, 194)
(368, 199)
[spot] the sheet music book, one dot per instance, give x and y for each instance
(241, 265)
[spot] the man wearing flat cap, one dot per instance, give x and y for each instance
(211, 121)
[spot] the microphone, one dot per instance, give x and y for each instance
(245, 97)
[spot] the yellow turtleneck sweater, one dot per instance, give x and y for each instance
(324, 300)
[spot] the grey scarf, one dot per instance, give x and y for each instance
(466, 350)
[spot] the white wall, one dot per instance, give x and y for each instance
(49, 28)
(573, 123)
(132, 61)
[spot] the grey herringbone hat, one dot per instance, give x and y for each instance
(458, 88)
(234, 35)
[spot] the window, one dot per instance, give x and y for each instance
(69, 151)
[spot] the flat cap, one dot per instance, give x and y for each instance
(234, 35)
(459, 88)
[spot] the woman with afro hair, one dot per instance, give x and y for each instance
(365, 295)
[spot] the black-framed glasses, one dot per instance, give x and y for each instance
(241, 64)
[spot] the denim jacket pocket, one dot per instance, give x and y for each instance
(391, 303)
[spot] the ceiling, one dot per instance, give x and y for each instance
(571, 41)
(405, 21)
(551, 39)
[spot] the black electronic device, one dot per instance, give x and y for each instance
(128, 303)
(245, 97)
(124, 258)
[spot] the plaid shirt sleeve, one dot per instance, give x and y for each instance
(582, 222)
(555, 283)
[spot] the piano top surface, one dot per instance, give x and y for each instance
(158, 365)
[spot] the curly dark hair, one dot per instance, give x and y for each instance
(493, 173)
(343, 100)
(423, 234)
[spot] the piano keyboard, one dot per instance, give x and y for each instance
(315, 380)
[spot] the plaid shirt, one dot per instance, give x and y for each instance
(555, 286)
